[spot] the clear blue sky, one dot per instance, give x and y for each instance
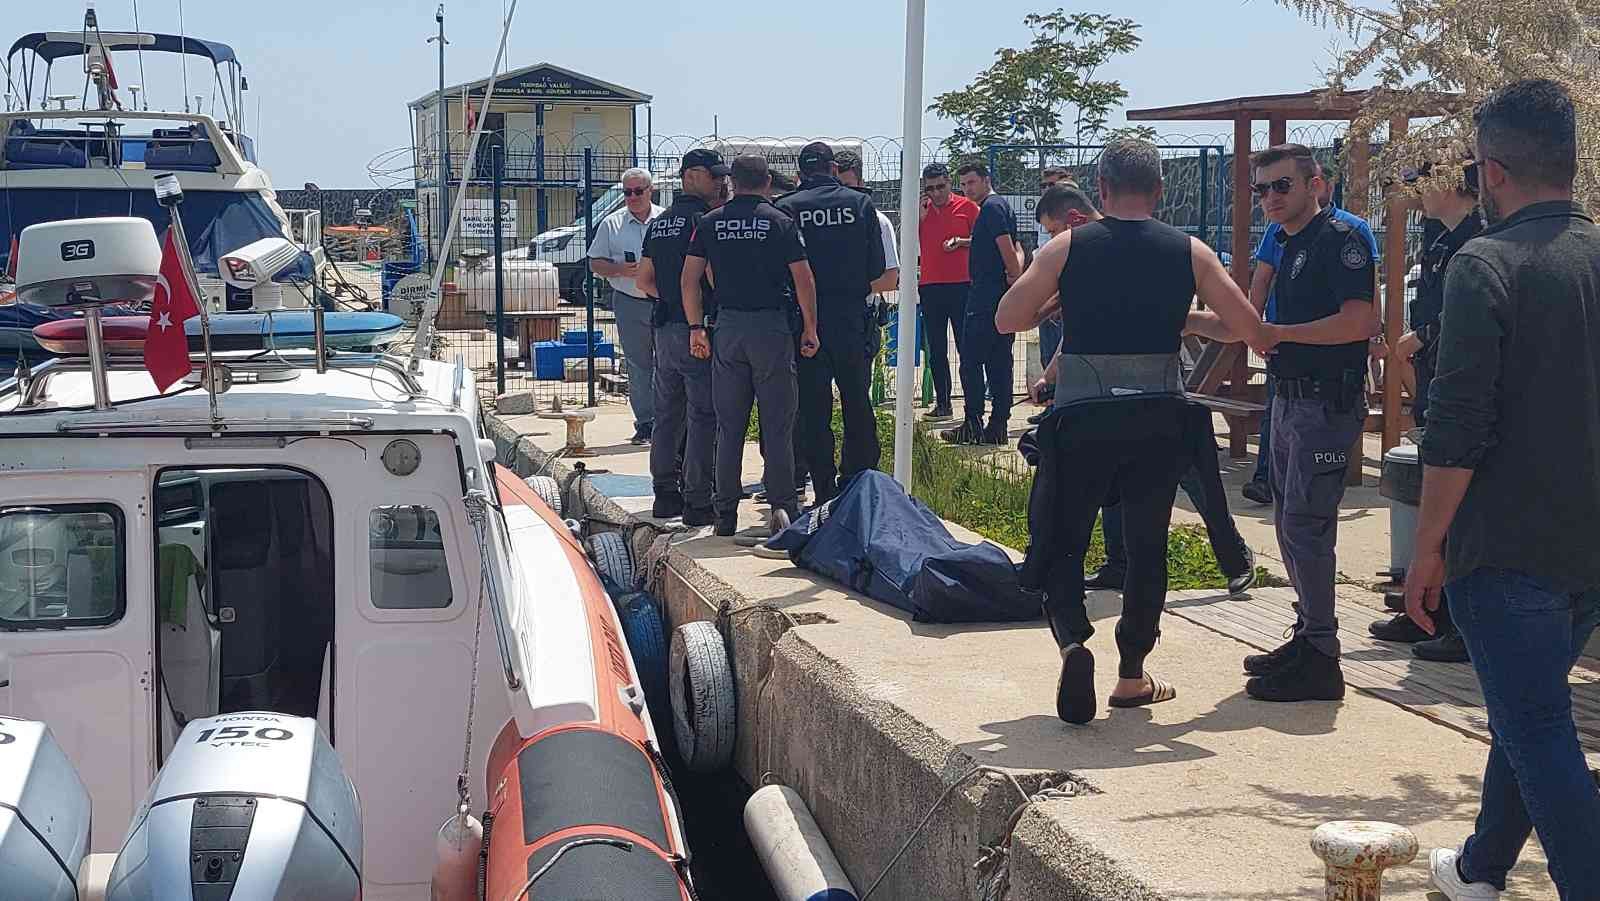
(333, 76)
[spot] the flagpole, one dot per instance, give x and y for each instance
(910, 222)
(170, 194)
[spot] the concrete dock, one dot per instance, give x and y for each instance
(872, 717)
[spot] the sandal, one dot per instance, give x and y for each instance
(1159, 691)
(1075, 688)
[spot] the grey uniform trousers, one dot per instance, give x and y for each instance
(752, 357)
(638, 339)
(1311, 444)
(686, 421)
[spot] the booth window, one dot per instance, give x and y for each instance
(61, 565)
(409, 566)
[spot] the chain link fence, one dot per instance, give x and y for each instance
(553, 189)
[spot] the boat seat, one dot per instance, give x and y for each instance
(181, 149)
(29, 148)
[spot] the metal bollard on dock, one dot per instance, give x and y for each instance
(1356, 854)
(575, 420)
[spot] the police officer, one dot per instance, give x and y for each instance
(1318, 356)
(1447, 200)
(842, 238)
(684, 436)
(753, 251)
(1125, 284)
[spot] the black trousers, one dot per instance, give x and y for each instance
(1133, 449)
(944, 310)
(986, 364)
(842, 360)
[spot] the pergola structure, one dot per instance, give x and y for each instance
(1278, 110)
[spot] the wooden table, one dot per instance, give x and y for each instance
(536, 325)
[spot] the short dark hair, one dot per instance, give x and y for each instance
(1062, 197)
(848, 161)
(1131, 165)
(750, 172)
(1531, 128)
(1304, 163)
(1057, 172)
(936, 170)
(781, 181)
(977, 169)
(1329, 173)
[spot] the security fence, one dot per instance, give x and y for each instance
(532, 202)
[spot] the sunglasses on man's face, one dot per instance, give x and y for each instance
(635, 192)
(936, 188)
(1280, 185)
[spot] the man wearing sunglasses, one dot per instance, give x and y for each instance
(945, 222)
(1510, 476)
(1269, 253)
(1324, 293)
(614, 253)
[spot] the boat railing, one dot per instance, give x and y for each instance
(29, 387)
(89, 139)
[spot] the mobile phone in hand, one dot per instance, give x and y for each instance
(629, 256)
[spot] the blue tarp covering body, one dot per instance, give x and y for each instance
(889, 546)
(216, 222)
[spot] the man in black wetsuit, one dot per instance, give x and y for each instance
(1126, 283)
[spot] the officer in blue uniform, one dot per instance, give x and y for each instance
(1318, 356)
(845, 246)
(753, 251)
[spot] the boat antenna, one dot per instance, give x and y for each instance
(183, 56)
(422, 341)
(140, 50)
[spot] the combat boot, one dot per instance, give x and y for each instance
(1306, 674)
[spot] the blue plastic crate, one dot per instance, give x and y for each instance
(581, 337)
(549, 357)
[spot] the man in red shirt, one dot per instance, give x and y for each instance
(945, 227)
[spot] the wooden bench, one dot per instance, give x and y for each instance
(535, 325)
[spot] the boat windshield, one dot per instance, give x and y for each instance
(216, 222)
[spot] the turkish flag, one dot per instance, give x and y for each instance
(166, 347)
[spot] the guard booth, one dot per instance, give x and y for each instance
(542, 118)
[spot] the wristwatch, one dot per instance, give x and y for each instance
(697, 327)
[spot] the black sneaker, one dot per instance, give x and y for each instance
(997, 436)
(699, 516)
(1075, 699)
(1398, 628)
(641, 434)
(1257, 491)
(727, 525)
(941, 411)
(667, 505)
(966, 433)
(1105, 578)
(1038, 417)
(1262, 664)
(1447, 648)
(1239, 584)
(1306, 675)
(1395, 600)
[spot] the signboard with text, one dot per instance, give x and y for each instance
(477, 219)
(546, 83)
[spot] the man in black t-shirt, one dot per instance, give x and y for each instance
(753, 252)
(685, 429)
(995, 262)
(1325, 317)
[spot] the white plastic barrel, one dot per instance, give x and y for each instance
(791, 848)
(1402, 485)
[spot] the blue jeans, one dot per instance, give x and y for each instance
(1524, 638)
(1049, 340)
(1263, 473)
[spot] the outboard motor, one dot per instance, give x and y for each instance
(44, 814)
(249, 807)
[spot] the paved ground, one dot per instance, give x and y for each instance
(1210, 796)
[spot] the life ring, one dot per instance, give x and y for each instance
(613, 560)
(704, 705)
(549, 491)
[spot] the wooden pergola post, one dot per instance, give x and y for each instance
(1241, 202)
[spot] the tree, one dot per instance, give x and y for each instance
(1045, 92)
(1428, 54)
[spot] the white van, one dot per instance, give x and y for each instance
(567, 247)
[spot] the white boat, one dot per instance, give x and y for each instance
(329, 539)
(102, 157)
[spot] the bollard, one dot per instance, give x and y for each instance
(1356, 854)
(575, 420)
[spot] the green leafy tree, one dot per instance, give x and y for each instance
(1046, 92)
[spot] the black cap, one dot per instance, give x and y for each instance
(815, 153)
(710, 159)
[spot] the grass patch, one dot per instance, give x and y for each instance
(988, 493)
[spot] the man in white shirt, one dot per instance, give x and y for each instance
(614, 254)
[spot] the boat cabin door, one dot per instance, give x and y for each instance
(76, 620)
